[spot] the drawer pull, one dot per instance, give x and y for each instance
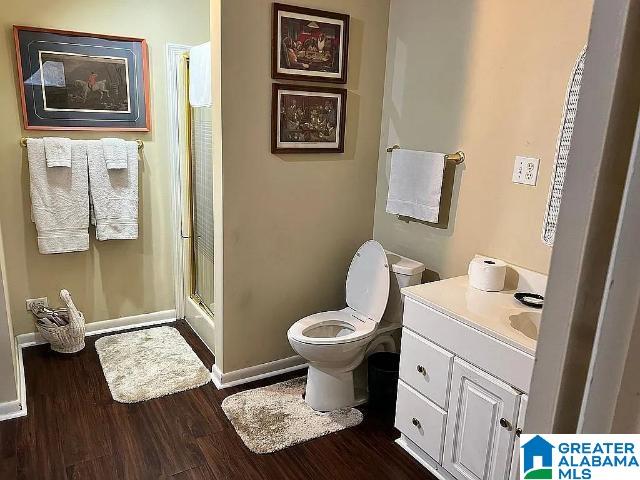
(518, 432)
(504, 423)
(421, 370)
(415, 422)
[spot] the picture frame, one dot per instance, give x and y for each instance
(307, 119)
(82, 81)
(309, 44)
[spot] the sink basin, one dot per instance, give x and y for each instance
(527, 323)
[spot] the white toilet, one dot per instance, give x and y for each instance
(335, 343)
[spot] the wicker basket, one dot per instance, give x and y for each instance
(69, 338)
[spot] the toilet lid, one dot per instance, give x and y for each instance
(368, 281)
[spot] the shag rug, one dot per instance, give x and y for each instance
(151, 363)
(271, 418)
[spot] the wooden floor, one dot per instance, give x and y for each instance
(76, 430)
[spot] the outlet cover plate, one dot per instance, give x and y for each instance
(525, 170)
(32, 302)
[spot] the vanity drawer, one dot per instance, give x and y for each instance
(420, 318)
(505, 362)
(426, 367)
(420, 420)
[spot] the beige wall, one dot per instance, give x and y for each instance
(291, 222)
(489, 78)
(116, 278)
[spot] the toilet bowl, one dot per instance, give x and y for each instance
(335, 343)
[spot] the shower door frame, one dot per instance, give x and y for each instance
(190, 210)
(198, 315)
(188, 207)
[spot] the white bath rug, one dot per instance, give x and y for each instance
(271, 418)
(149, 363)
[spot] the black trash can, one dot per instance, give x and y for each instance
(383, 382)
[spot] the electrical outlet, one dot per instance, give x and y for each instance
(525, 170)
(35, 302)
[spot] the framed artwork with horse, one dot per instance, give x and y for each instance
(309, 44)
(82, 81)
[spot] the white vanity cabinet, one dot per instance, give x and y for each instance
(462, 388)
(480, 426)
(515, 463)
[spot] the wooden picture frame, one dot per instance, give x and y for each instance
(82, 81)
(307, 119)
(309, 44)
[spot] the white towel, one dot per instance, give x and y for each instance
(200, 75)
(59, 199)
(415, 184)
(57, 151)
(114, 194)
(115, 153)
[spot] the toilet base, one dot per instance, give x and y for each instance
(328, 391)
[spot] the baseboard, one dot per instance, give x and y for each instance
(25, 340)
(13, 409)
(257, 372)
(106, 326)
(135, 321)
(16, 408)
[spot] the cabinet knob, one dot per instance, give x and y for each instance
(518, 432)
(416, 422)
(421, 369)
(505, 423)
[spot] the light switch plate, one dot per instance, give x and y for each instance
(525, 170)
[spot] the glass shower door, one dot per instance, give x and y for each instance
(201, 167)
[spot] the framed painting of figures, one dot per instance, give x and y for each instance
(309, 44)
(82, 81)
(307, 119)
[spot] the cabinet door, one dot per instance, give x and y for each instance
(515, 463)
(480, 425)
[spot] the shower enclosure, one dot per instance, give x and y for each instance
(191, 149)
(201, 166)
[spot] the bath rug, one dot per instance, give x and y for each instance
(271, 418)
(147, 364)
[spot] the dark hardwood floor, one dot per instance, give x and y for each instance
(75, 430)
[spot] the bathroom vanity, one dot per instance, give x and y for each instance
(465, 366)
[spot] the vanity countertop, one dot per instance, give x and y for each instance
(497, 314)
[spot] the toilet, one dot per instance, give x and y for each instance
(335, 343)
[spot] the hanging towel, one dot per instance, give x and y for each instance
(200, 75)
(115, 153)
(59, 199)
(57, 151)
(114, 194)
(415, 184)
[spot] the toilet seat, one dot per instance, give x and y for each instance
(331, 328)
(367, 291)
(367, 285)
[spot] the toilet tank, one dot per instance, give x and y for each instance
(404, 272)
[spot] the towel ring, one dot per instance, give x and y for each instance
(455, 158)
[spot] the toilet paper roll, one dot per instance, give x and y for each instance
(487, 274)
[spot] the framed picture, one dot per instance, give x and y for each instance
(309, 44)
(82, 81)
(307, 119)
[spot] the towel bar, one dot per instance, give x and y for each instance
(455, 158)
(23, 142)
